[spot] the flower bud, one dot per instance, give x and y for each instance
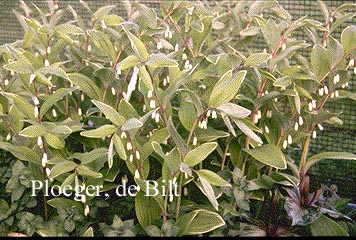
(131, 158)
(44, 159)
(152, 103)
(352, 63)
(103, 25)
(296, 126)
(137, 174)
(138, 155)
(8, 137)
(39, 142)
(129, 146)
(195, 141)
(157, 117)
(284, 46)
(186, 64)
(336, 93)
(48, 171)
(321, 128)
(300, 120)
(326, 90)
(176, 48)
(35, 101)
(123, 135)
(314, 134)
(113, 91)
(32, 77)
(86, 210)
(36, 112)
(159, 45)
(285, 144)
(290, 140)
(266, 129)
(321, 92)
(214, 115)
(184, 56)
(149, 93)
(46, 63)
(48, 49)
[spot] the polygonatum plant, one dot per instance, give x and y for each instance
(177, 94)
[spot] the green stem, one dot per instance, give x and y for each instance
(303, 159)
(179, 194)
(228, 140)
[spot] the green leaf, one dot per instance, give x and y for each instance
(113, 20)
(110, 113)
(54, 141)
(320, 61)
(101, 12)
(198, 154)
(86, 171)
(102, 41)
(138, 46)
(226, 88)
(161, 60)
(324, 9)
(199, 222)
(62, 167)
(42, 79)
(88, 233)
(86, 84)
(100, 132)
(63, 203)
(336, 51)
(181, 79)
(328, 155)
(348, 38)
(147, 209)
(132, 123)
(212, 178)
(348, 94)
(145, 78)
(119, 146)
(181, 145)
(187, 115)
(61, 129)
(325, 226)
(21, 152)
(209, 192)
(22, 104)
(259, 6)
(256, 59)
(128, 62)
(209, 134)
(53, 70)
(33, 131)
(68, 29)
(54, 98)
(246, 130)
(234, 110)
(270, 155)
